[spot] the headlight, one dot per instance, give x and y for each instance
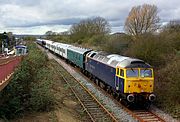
(152, 97)
(130, 98)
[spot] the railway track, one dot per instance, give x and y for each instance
(139, 115)
(147, 116)
(96, 111)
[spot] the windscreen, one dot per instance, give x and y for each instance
(132, 73)
(146, 73)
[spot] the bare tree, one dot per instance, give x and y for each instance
(142, 19)
(90, 27)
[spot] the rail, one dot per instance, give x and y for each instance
(95, 110)
(147, 116)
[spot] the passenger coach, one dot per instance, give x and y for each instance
(77, 55)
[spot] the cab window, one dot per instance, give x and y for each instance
(132, 72)
(122, 72)
(117, 73)
(146, 73)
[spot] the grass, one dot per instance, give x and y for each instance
(53, 117)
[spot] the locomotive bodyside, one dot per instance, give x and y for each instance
(102, 71)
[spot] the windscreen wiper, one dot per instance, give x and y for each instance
(132, 70)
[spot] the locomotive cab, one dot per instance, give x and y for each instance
(139, 80)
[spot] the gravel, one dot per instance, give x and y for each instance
(163, 115)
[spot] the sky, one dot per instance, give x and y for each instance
(40, 16)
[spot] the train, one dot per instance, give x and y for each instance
(129, 80)
(20, 50)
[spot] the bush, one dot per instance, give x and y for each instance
(117, 44)
(41, 97)
(96, 40)
(152, 49)
(168, 89)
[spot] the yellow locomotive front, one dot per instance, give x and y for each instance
(139, 80)
(137, 85)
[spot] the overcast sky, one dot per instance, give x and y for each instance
(39, 16)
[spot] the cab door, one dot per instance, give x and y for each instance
(119, 79)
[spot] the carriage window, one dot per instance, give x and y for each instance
(20, 51)
(122, 72)
(63, 50)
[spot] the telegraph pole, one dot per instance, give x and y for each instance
(2, 47)
(5, 43)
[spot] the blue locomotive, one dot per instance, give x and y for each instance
(129, 79)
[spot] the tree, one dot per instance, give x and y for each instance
(90, 27)
(142, 19)
(171, 32)
(49, 33)
(172, 26)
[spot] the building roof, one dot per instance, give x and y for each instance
(20, 46)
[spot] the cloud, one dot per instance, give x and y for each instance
(36, 30)
(36, 16)
(25, 24)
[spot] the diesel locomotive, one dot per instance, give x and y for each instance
(129, 79)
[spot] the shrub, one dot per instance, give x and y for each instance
(116, 44)
(96, 40)
(41, 97)
(151, 49)
(167, 88)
